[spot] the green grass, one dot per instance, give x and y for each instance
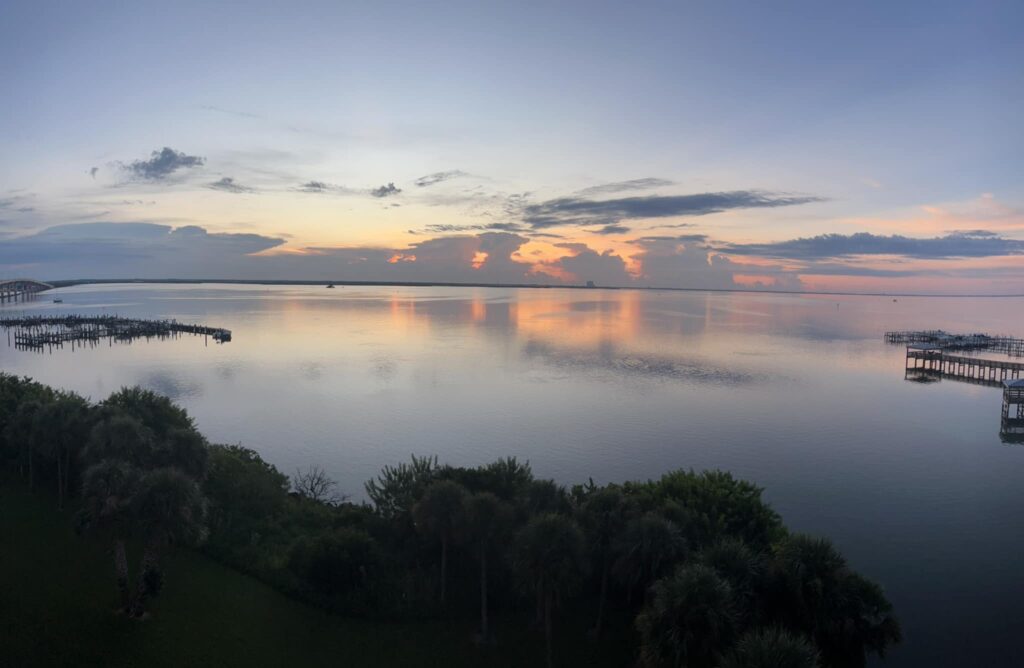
(57, 600)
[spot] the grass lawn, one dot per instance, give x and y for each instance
(57, 599)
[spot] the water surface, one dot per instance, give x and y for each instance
(795, 392)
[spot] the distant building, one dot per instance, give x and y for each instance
(590, 284)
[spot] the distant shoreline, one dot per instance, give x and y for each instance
(441, 284)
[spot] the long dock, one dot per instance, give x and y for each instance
(1006, 345)
(927, 357)
(932, 355)
(47, 332)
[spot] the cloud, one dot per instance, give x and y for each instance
(18, 203)
(975, 233)
(577, 211)
(585, 264)
(674, 238)
(144, 250)
(321, 187)
(623, 186)
(149, 250)
(973, 244)
(445, 228)
(438, 177)
(162, 164)
(385, 191)
(228, 184)
(612, 229)
(687, 262)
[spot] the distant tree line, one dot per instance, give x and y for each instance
(694, 568)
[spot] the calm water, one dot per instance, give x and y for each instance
(797, 393)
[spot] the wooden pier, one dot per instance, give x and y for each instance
(1011, 428)
(1006, 345)
(932, 355)
(47, 332)
(929, 357)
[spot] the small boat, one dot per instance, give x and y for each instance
(58, 301)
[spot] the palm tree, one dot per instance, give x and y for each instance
(603, 516)
(744, 569)
(168, 508)
(771, 648)
(486, 517)
(437, 514)
(688, 620)
(122, 437)
(551, 555)
(846, 614)
(185, 449)
(648, 547)
(21, 429)
(62, 427)
(108, 488)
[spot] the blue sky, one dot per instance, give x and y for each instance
(284, 125)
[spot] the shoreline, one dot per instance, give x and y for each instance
(442, 284)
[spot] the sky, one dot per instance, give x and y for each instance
(873, 147)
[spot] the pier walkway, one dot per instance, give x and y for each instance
(1007, 345)
(929, 358)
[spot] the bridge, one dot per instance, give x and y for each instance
(11, 289)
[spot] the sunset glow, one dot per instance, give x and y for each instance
(416, 145)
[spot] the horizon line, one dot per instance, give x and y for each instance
(542, 286)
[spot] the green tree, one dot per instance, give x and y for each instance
(718, 505)
(397, 488)
(771, 648)
(689, 619)
(168, 508)
(61, 431)
(22, 432)
(437, 515)
(744, 569)
(647, 548)
(121, 437)
(155, 411)
(108, 488)
(334, 565)
(243, 492)
(551, 556)
(603, 515)
(847, 615)
(486, 518)
(545, 496)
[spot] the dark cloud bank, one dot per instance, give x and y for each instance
(578, 211)
(973, 243)
(147, 250)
